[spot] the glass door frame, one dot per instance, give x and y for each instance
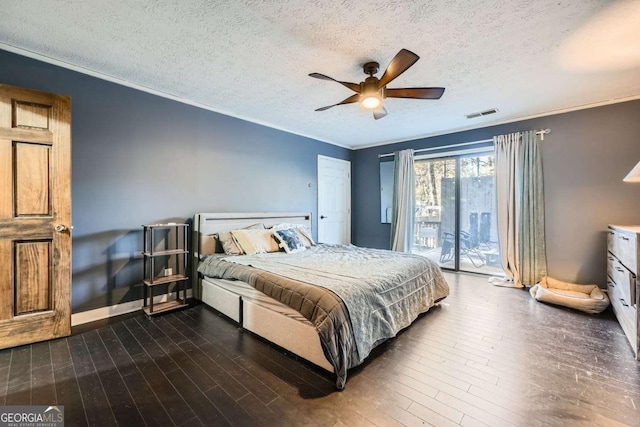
(457, 220)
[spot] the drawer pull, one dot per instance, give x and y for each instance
(619, 269)
(624, 238)
(624, 302)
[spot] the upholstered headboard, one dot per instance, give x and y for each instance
(207, 224)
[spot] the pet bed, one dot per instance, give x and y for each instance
(587, 298)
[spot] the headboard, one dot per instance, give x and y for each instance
(206, 224)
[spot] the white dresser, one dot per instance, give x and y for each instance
(622, 279)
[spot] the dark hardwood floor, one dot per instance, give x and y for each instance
(485, 356)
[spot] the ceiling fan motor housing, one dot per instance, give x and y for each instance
(370, 87)
(371, 68)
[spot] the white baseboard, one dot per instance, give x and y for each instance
(117, 309)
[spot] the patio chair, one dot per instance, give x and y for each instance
(448, 245)
(470, 246)
(467, 247)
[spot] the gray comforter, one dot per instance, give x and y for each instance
(380, 292)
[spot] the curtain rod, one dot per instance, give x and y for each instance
(541, 132)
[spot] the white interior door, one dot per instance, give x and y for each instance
(334, 200)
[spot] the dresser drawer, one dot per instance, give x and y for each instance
(626, 315)
(611, 261)
(612, 240)
(624, 279)
(626, 250)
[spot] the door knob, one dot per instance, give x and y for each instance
(323, 217)
(60, 228)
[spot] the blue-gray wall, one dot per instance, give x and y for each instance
(139, 158)
(584, 158)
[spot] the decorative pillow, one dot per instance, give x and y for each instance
(210, 244)
(303, 232)
(305, 236)
(255, 241)
(229, 244)
(289, 240)
(228, 241)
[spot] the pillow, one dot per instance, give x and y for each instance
(305, 236)
(289, 240)
(210, 244)
(255, 241)
(228, 242)
(303, 232)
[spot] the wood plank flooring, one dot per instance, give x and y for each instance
(486, 356)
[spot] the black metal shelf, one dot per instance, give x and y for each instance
(175, 240)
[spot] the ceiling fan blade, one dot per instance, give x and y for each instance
(349, 100)
(398, 65)
(353, 86)
(415, 92)
(379, 113)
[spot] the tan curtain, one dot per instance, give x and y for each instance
(402, 219)
(520, 208)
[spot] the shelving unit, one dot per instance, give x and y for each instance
(165, 261)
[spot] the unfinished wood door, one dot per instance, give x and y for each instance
(35, 216)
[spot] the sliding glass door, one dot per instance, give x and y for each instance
(435, 221)
(455, 212)
(478, 232)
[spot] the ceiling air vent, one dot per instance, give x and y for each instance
(482, 113)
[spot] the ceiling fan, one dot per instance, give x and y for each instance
(372, 92)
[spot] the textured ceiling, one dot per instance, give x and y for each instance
(251, 58)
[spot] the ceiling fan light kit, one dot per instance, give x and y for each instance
(371, 96)
(372, 92)
(371, 102)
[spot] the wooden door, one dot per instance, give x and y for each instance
(334, 200)
(35, 216)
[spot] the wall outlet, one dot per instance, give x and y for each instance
(168, 271)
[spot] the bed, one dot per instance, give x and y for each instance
(329, 304)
